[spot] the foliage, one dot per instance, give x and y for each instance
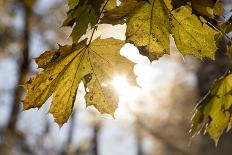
(66, 67)
(213, 113)
(193, 25)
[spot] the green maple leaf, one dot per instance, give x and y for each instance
(213, 113)
(65, 68)
(85, 13)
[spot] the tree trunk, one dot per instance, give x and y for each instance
(22, 70)
(95, 139)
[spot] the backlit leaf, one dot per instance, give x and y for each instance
(213, 113)
(65, 68)
(208, 8)
(229, 49)
(72, 3)
(86, 13)
(148, 28)
(118, 14)
(150, 23)
(192, 37)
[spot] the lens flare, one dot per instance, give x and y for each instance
(121, 84)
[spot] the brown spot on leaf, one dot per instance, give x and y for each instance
(91, 97)
(88, 78)
(55, 56)
(143, 51)
(29, 81)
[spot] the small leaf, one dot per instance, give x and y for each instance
(110, 5)
(229, 49)
(178, 3)
(218, 8)
(208, 8)
(72, 3)
(227, 26)
(119, 14)
(86, 13)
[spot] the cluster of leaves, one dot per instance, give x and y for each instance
(214, 113)
(149, 26)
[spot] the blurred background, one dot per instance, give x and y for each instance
(151, 120)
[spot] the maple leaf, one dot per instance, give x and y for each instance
(72, 3)
(229, 49)
(213, 113)
(150, 23)
(111, 4)
(95, 64)
(227, 26)
(208, 8)
(84, 13)
(118, 14)
(148, 28)
(192, 36)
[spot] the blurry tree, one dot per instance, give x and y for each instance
(18, 24)
(23, 64)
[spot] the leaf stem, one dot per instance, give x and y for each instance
(95, 27)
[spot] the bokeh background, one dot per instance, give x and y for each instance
(151, 120)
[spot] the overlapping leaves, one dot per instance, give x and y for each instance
(192, 36)
(149, 24)
(213, 114)
(65, 68)
(85, 13)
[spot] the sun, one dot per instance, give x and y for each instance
(121, 84)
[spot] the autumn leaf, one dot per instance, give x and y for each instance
(150, 23)
(111, 4)
(72, 3)
(192, 36)
(213, 113)
(95, 64)
(227, 26)
(119, 14)
(148, 28)
(208, 8)
(229, 49)
(178, 3)
(85, 13)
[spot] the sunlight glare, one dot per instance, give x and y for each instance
(121, 84)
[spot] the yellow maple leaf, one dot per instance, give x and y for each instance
(95, 64)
